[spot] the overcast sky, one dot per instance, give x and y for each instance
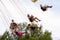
(18, 10)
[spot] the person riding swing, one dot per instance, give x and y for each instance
(44, 8)
(13, 25)
(33, 19)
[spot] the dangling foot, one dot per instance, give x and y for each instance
(51, 6)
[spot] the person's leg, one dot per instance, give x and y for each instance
(48, 6)
(13, 38)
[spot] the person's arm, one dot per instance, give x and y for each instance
(28, 16)
(11, 26)
(48, 6)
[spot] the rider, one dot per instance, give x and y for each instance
(32, 18)
(44, 8)
(13, 25)
(33, 21)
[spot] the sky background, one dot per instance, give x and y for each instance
(18, 10)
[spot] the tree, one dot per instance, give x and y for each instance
(46, 36)
(36, 34)
(6, 36)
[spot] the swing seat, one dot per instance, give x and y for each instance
(34, 0)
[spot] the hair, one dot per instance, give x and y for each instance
(28, 24)
(12, 20)
(28, 15)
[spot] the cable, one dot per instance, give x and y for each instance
(22, 17)
(3, 19)
(8, 13)
(23, 9)
(3, 15)
(20, 10)
(6, 17)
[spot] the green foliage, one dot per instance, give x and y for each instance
(46, 36)
(36, 34)
(6, 36)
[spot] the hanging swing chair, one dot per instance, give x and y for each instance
(34, 0)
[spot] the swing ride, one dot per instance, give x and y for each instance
(20, 33)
